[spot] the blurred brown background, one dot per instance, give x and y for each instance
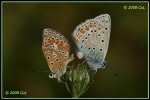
(22, 26)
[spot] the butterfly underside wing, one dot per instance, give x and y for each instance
(56, 51)
(92, 39)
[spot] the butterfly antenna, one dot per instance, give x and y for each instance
(115, 74)
(35, 70)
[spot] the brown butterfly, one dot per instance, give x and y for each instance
(56, 51)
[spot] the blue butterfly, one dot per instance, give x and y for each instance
(92, 39)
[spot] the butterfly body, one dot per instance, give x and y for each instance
(92, 40)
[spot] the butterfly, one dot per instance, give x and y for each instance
(92, 39)
(56, 49)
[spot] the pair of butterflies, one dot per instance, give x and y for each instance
(92, 40)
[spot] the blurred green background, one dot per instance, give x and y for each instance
(22, 26)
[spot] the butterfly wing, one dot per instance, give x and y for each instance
(92, 39)
(56, 51)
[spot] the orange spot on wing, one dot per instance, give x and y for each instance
(46, 45)
(87, 28)
(49, 41)
(80, 35)
(82, 31)
(61, 44)
(53, 40)
(91, 25)
(56, 41)
(94, 24)
(65, 47)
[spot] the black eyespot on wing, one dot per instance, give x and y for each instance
(82, 40)
(100, 49)
(85, 37)
(102, 40)
(59, 51)
(106, 28)
(93, 48)
(89, 48)
(99, 35)
(94, 30)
